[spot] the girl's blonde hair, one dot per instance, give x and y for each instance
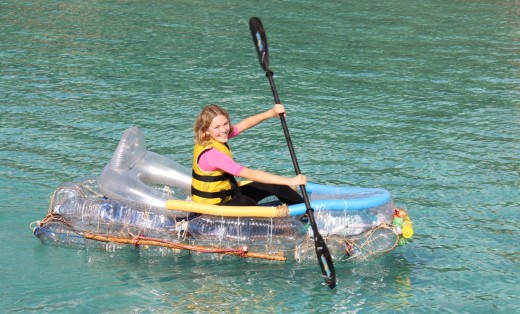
(206, 116)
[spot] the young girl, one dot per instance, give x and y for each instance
(214, 170)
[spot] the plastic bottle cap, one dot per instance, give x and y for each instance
(397, 222)
(407, 231)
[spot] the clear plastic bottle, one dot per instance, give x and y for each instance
(280, 232)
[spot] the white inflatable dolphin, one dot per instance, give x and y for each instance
(132, 170)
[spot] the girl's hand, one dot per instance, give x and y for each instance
(299, 180)
(278, 109)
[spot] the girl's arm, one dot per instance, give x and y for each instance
(256, 119)
(214, 159)
(269, 178)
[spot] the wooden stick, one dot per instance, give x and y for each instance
(156, 242)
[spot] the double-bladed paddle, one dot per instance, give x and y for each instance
(322, 252)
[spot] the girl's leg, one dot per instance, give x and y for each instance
(241, 200)
(258, 191)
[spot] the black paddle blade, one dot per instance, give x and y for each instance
(260, 41)
(325, 260)
(322, 252)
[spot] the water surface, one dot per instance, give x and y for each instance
(418, 97)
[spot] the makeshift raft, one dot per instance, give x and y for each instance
(142, 199)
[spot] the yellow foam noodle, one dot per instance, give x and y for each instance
(229, 211)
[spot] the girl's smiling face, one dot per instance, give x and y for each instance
(219, 129)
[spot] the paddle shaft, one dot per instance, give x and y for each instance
(270, 77)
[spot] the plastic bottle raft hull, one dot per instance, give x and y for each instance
(356, 223)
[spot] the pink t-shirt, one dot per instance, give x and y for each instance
(213, 159)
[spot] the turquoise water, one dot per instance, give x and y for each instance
(419, 97)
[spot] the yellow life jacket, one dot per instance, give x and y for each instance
(215, 187)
